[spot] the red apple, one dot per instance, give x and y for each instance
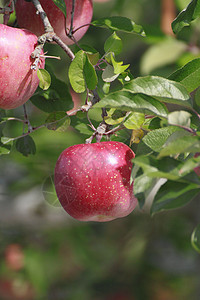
(14, 257)
(17, 81)
(27, 17)
(92, 181)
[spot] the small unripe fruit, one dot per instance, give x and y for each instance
(27, 17)
(92, 181)
(18, 81)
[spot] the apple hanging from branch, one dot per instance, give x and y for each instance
(29, 19)
(92, 181)
(18, 81)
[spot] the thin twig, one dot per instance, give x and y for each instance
(70, 34)
(6, 11)
(91, 125)
(88, 24)
(64, 47)
(49, 35)
(41, 12)
(26, 120)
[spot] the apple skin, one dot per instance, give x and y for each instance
(27, 17)
(17, 81)
(92, 181)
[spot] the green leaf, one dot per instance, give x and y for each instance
(83, 128)
(117, 23)
(186, 16)
(197, 97)
(155, 139)
(160, 88)
(82, 73)
(56, 98)
(3, 119)
(136, 136)
(180, 118)
(156, 168)
(106, 87)
(58, 121)
(90, 74)
(166, 167)
(195, 238)
(109, 74)
(118, 66)
(45, 79)
(2, 115)
(143, 185)
(93, 58)
(188, 75)
(189, 165)
(173, 195)
(183, 144)
(76, 73)
(114, 116)
(62, 5)
(161, 54)
(181, 4)
(91, 52)
(49, 192)
(6, 140)
(26, 145)
(127, 101)
(135, 120)
(5, 145)
(113, 44)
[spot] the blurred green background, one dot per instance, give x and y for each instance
(44, 253)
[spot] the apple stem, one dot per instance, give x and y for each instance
(112, 131)
(41, 12)
(26, 120)
(101, 130)
(51, 56)
(91, 125)
(64, 47)
(32, 129)
(88, 24)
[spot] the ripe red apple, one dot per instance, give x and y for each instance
(17, 81)
(92, 181)
(27, 17)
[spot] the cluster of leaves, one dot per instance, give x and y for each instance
(161, 114)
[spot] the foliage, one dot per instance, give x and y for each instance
(157, 106)
(174, 141)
